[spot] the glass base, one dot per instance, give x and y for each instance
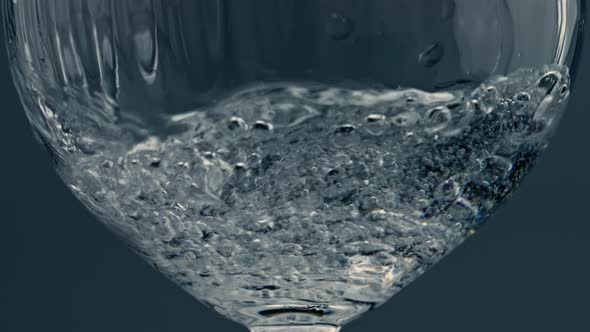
(296, 328)
(294, 316)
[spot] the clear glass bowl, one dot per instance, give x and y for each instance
(293, 163)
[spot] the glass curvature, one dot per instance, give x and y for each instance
(293, 163)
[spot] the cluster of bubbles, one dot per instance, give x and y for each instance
(316, 195)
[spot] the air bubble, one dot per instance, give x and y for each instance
(183, 165)
(486, 98)
(333, 172)
(107, 164)
(237, 123)
(431, 56)
(341, 159)
(522, 97)
(376, 118)
(155, 162)
(146, 46)
(521, 102)
(438, 119)
(253, 160)
(447, 191)
(345, 135)
(263, 126)
(406, 119)
(549, 81)
(564, 90)
(339, 27)
(375, 124)
(411, 99)
(345, 129)
(209, 155)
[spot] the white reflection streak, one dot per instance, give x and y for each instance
(563, 32)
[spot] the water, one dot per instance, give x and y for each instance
(306, 203)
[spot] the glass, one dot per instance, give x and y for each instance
(293, 163)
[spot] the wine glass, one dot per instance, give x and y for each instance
(293, 163)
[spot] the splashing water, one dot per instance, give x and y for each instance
(302, 203)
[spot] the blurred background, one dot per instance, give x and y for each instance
(526, 270)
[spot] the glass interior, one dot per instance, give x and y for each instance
(177, 55)
(293, 163)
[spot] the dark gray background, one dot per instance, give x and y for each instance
(527, 270)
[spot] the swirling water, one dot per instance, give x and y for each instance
(305, 203)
